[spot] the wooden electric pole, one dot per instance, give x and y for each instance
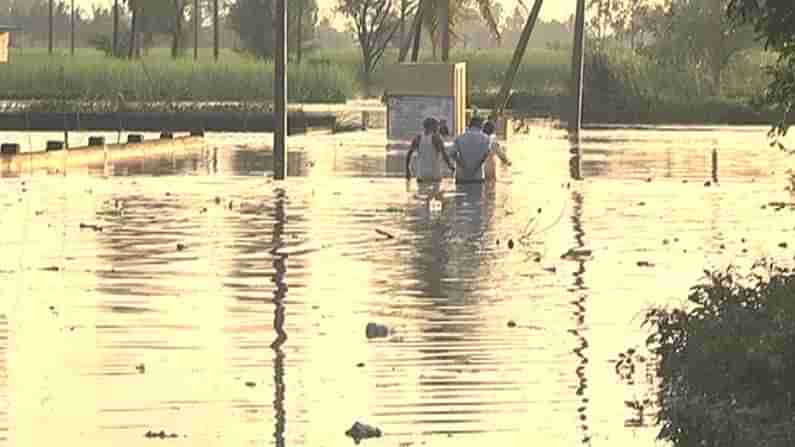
(280, 90)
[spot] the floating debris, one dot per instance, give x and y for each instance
(251, 384)
(51, 269)
(384, 233)
(161, 435)
(141, 368)
(511, 324)
(510, 244)
(641, 203)
(375, 330)
(217, 200)
(575, 253)
(361, 431)
(645, 264)
(90, 227)
(360, 365)
(708, 183)
(666, 242)
(181, 247)
(782, 245)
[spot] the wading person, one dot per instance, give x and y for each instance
(430, 154)
(471, 149)
(496, 151)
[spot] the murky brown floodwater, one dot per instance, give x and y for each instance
(254, 333)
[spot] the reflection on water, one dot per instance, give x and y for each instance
(207, 279)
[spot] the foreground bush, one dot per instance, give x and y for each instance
(727, 364)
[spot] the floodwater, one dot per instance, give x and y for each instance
(240, 321)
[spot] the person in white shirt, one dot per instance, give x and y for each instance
(430, 153)
(471, 149)
(490, 168)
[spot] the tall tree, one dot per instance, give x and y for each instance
(772, 22)
(699, 33)
(252, 19)
(374, 23)
(442, 17)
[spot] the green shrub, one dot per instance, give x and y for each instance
(727, 364)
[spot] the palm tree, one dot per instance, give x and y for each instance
(449, 13)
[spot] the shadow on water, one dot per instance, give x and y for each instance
(581, 298)
(279, 294)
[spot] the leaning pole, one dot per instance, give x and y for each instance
(577, 67)
(280, 91)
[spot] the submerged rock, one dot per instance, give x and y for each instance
(361, 431)
(375, 330)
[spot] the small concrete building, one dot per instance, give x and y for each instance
(5, 39)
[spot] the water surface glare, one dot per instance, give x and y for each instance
(230, 310)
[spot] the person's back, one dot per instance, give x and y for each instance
(429, 160)
(490, 167)
(430, 148)
(471, 149)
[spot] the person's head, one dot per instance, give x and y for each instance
(430, 125)
(489, 128)
(475, 122)
(443, 129)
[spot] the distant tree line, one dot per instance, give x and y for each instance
(679, 33)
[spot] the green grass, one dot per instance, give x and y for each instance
(622, 87)
(90, 76)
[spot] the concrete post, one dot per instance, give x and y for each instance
(280, 90)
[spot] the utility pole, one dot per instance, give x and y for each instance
(51, 26)
(444, 17)
(280, 90)
(575, 120)
(72, 43)
(216, 32)
(577, 64)
(115, 28)
(196, 30)
(518, 55)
